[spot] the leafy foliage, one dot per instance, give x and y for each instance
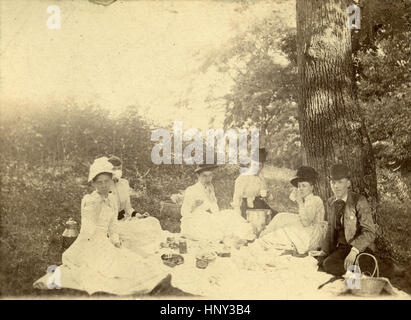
(264, 90)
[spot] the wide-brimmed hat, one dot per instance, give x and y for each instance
(205, 167)
(100, 165)
(304, 173)
(339, 171)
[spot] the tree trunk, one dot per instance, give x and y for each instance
(331, 125)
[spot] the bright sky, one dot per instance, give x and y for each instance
(131, 52)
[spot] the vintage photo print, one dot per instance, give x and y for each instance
(205, 149)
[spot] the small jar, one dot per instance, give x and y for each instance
(182, 246)
(70, 233)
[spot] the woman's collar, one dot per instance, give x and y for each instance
(309, 196)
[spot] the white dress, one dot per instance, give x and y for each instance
(94, 264)
(305, 231)
(139, 235)
(202, 219)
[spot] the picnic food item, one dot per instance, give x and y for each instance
(224, 252)
(172, 243)
(201, 263)
(172, 260)
(182, 246)
(203, 259)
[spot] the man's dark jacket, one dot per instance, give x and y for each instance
(359, 227)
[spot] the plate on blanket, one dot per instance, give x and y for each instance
(172, 260)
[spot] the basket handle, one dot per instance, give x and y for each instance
(376, 269)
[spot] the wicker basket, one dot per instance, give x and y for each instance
(170, 208)
(370, 286)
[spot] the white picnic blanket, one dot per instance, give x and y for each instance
(279, 277)
(292, 278)
(284, 277)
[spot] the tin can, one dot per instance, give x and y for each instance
(182, 246)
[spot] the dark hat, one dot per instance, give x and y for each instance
(339, 171)
(262, 155)
(205, 167)
(304, 174)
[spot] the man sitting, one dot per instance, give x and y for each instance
(351, 229)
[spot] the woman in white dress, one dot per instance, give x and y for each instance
(201, 217)
(306, 230)
(97, 261)
(139, 232)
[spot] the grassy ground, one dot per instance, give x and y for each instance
(32, 222)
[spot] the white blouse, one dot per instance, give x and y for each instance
(199, 198)
(312, 211)
(98, 216)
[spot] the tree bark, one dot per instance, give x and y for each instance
(331, 125)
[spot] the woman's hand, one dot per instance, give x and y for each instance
(298, 198)
(304, 221)
(293, 192)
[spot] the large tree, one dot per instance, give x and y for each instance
(331, 124)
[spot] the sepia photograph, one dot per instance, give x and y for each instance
(197, 150)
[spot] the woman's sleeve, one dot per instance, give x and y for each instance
(238, 194)
(113, 226)
(128, 208)
(309, 211)
(320, 216)
(88, 210)
(188, 203)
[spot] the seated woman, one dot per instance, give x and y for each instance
(306, 230)
(201, 217)
(250, 190)
(139, 232)
(97, 261)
